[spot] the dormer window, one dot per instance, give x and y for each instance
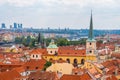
(36, 67)
(33, 56)
(27, 67)
(36, 56)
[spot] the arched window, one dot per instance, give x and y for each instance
(82, 61)
(68, 60)
(60, 58)
(50, 59)
(75, 61)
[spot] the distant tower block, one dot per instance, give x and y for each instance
(10, 26)
(19, 25)
(3, 26)
(15, 25)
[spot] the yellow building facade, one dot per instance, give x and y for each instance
(90, 53)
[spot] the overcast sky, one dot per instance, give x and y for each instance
(74, 14)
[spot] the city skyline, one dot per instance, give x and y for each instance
(61, 13)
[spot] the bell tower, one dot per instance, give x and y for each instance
(91, 42)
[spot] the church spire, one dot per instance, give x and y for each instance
(90, 37)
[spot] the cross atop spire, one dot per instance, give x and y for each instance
(91, 34)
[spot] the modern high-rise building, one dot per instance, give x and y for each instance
(3, 26)
(15, 25)
(19, 26)
(10, 26)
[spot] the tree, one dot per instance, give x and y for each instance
(48, 40)
(83, 41)
(32, 43)
(62, 42)
(18, 40)
(28, 40)
(46, 65)
(24, 42)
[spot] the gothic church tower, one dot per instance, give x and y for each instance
(91, 42)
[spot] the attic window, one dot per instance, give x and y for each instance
(36, 67)
(27, 67)
(75, 73)
(33, 55)
(113, 73)
(90, 43)
(36, 56)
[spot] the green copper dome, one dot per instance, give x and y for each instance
(52, 44)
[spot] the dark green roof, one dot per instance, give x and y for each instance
(91, 34)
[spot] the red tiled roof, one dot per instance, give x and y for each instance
(76, 77)
(38, 51)
(111, 66)
(77, 70)
(72, 52)
(43, 76)
(117, 55)
(111, 46)
(34, 64)
(70, 77)
(19, 69)
(9, 75)
(111, 78)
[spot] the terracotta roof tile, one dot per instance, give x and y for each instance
(43, 76)
(34, 64)
(9, 75)
(76, 77)
(38, 51)
(111, 77)
(72, 52)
